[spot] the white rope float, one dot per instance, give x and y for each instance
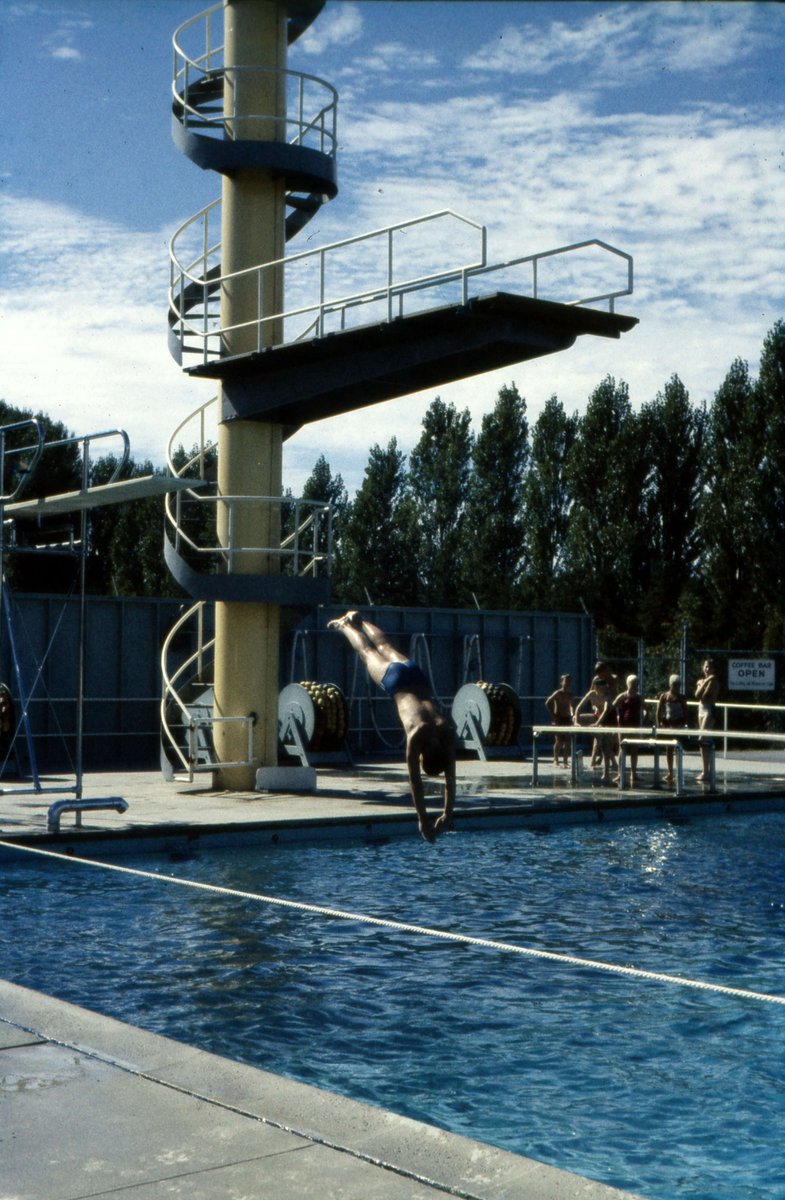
(404, 927)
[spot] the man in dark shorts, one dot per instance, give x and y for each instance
(430, 742)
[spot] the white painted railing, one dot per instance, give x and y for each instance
(379, 272)
(199, 73)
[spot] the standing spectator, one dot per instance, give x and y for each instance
(707, 689)
(561, 705)
(672, 714)
(598, 700)
(630, 713)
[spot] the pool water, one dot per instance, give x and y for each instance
(653, 1087)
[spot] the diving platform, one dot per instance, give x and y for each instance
(118, 492)
(345, 370)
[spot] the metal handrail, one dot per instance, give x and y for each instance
(540, 256)
(197, 274)
(170, 693)
(189, 70)
(305, 560)
(170, 683)
(202, 274)
(27, 469)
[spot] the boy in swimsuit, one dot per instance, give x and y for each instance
(560, 705)
(430, 742)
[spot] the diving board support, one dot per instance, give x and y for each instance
(656, 745)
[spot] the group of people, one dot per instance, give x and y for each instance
(608, 707)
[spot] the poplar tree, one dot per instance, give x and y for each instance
(606, 473)
(731, 510)
(674, 430)
(770, 401)
(379, 543)
(495, 548)
(439, 476)
(547, 507)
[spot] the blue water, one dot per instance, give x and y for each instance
(660, 1089)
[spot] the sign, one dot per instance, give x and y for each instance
(751, 674)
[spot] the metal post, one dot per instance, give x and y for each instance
(81, 670)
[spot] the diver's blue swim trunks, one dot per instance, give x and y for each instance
(403, 677)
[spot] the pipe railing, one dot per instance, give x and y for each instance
(195, 284)
(205, 64)
(198, 278)
(305, 550)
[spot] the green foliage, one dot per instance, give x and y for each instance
(547, 502)
(496, 550)
(606, 471)
(58, 470)
(125, 555)
(439, 476)
(674, 431)
(379, 552)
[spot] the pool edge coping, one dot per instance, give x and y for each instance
(434, 1157)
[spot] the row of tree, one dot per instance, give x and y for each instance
(648, 518)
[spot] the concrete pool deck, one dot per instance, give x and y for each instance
(90, 1106)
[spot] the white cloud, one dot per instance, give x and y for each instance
(83, 314)
(61, 42)
(339, 25)
(624, 41)
(65, 52)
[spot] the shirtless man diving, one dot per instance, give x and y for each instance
(430, 742)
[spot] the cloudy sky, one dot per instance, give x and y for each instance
(657, 127)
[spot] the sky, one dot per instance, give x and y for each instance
(656, 127)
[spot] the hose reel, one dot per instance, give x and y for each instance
(486, 716)
(313, 721)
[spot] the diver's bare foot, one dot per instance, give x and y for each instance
(349, 618)
(441, 824)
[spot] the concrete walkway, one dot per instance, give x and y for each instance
(90, 1107)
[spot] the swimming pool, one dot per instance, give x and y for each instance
(653, 1087)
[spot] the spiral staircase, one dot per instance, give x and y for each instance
(204, 130)
(368, 318)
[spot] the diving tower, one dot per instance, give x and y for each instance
(293, 337)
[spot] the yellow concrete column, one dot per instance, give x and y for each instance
(250, 452)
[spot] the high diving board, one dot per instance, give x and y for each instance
(118, 492)
(349, 369)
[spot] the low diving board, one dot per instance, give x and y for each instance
(119, 492)
(347, 370)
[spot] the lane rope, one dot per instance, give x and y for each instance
(404, 927)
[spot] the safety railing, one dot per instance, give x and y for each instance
(323, 306)
(306, 545)
(205, 91)
(20, 472)
(174, 680)
(654, 736)
(384, 256)
(304, 550)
